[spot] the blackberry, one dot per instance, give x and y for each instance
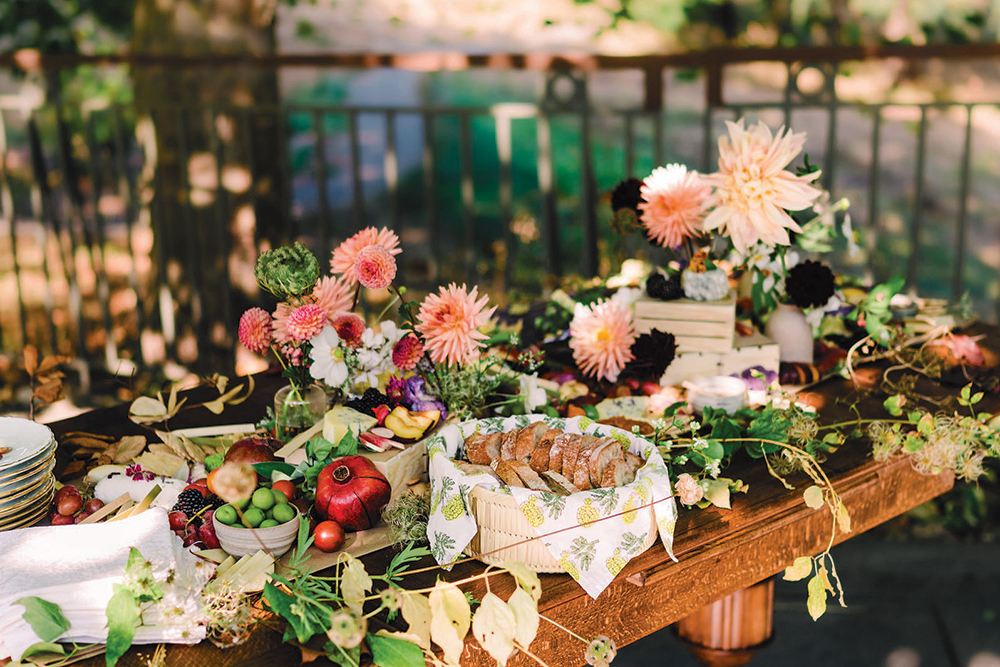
(368, 402)
(215, 502)
(664, 288)
(190, 501)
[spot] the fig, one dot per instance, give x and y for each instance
(255, 449)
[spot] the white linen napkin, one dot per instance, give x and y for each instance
(76, 568)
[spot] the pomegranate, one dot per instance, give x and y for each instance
(255, 449)
(352, 492)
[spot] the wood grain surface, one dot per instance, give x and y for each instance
(719, 551)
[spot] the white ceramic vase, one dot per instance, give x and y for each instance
(788, 327)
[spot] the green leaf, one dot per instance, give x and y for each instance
(283, 605)
(813, 497)
(43, 648)
(591, 411)
(894, 404)
(139, 575)
(348, 446)
(392, 652)
(913, 443)
(926, 424)
(402, 560)
(123, 614)
(727, 429)
(717, 492)
(318, 449)
(342, 656)
(771, 425)
(714, 450)
(45, 618)
(799, 570)
(816, 603)
(265, 468)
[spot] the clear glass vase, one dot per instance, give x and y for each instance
(297, 409)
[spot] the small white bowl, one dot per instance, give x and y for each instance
(238, 541)
(722, 392)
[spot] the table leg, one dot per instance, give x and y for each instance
(728, 632)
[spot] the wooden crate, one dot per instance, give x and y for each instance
(753, 350)
(697, 326)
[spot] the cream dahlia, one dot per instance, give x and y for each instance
(334, 295)
(601, 338)
(255, 330)
(449, 321)
(673, 204)
(347, 252)
(306, 321)
(753, 192)
(375, 267)
(407, 352)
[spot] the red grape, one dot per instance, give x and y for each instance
(60, 520)
(93, 505)
(67, 490)
(81, 516)
(69, 504)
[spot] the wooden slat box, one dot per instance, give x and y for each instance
(753, 350)
(697, 326)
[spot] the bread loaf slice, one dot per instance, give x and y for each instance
(481, 448)
(634, 462)
(507, 473)
(556, 452)
(527, 440)
(617, 473)
(474, 469)
(529, 476)
(607, 450)
(581, 474)
(540, 457)
(508, 447)
(571, 454)
(559, 484)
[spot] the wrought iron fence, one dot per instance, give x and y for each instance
(107, 256)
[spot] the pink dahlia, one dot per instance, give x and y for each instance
(350, 328)
(375, 267)
(306, 321)
(255, 330)
(407, 352)
(753, 192)
(601, 338)
(279, 323)
(347, 252)
(448, 321)
(334, 295)
(673, 204)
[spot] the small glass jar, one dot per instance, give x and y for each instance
(297, 409)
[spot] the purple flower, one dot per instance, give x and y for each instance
(416, 396)
(757, 377)
(394, 390)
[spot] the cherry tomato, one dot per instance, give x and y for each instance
(328, 536)
(286, 487)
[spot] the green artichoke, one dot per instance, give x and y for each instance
(287, 272)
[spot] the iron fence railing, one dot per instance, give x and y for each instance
(106, 255)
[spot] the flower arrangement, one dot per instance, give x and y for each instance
(431, 359)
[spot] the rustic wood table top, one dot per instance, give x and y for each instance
(718, 551)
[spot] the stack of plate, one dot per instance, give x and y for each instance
(26, 480)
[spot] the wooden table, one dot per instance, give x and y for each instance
(720, 552)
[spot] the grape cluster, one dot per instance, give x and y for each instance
(68, 506)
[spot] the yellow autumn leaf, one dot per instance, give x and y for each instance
(816, 603)
(843, 517)
(416, 610)
(146, 410)
(354, 583)
(799, 570)
(450, 620)
(493, 627)
(813, 497)
(526, 579)
(526, 615)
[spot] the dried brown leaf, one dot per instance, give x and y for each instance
(127, 448)
(49, 391)
(85, 442)
(30, 359)
(49, 363)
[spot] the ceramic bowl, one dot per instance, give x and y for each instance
(238, 541)
(722, 392)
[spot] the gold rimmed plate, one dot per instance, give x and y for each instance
(26, 475)
(31, 512)
(31, 464)
(7, 505)
(25, 439)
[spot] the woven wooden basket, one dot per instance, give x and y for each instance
(505, 534)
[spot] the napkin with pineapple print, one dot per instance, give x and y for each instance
(592, 534)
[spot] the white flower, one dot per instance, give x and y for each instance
(328, 358)
(533, 395)
(391, 332)
(627, 296)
